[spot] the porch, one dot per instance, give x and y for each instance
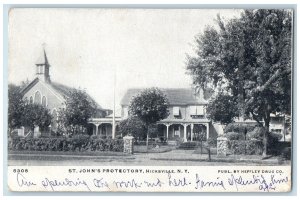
(185, 130)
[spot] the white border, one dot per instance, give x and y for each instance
(178, 196)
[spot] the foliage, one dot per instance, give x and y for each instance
(256, 133)
(153, 130)
(250, 58)
(15, 106)
(235, 136)
(199, 132)
(36, 115)
(223, 108)
(240, 127)
(248, 147)
(79, 108)
(211, 142)
(77, 143)
(150, 106)
(133, 126)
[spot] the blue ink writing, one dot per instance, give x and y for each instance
(100, 183)
(65, 182)
(179, 182)
(22, 181)
(132, 184)
(255, 180)
(158, 183)
(202, 183)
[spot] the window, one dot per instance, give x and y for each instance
(196, 110)
(31, 100)
(37, 97)
(44, 101)
(176, 111)
(193, 110)
(200, 110)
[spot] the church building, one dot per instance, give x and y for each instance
(50, 94)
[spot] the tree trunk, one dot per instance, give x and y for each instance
(147, 141)
(266, 134)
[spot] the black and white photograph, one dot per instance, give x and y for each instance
(150, 96)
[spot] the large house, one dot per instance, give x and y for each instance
(187, 111)
(52, 95)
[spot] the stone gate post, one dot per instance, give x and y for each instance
(128, 144)
(222, 146)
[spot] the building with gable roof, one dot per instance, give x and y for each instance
(50, 94)
(187, 109)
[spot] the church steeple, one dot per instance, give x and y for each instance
(42, 68)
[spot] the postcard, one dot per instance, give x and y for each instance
(150, 100)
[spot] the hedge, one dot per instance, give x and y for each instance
(76, 143)
(239, 127)
(247, 147)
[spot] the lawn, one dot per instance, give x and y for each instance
(160, 149)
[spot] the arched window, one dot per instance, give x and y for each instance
(37, 97)
(44, 101)
(54, 120)
(31, 99)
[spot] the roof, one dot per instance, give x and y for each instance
(61, 89)
(42, 59)
(65, 92)
(176, 96)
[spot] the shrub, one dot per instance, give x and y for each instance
(239, 127)
(235, 136)
(248, 147)
(256, 133)
(211, 142)
(76, 143)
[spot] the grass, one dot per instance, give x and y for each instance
(143, 149)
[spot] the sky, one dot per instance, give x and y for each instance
(95, 49)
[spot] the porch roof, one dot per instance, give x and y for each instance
(104, 120)
(183, 121)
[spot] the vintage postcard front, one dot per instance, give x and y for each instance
(150, 100)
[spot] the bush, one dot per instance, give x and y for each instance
(235, 136)
(212, 143)
(76, 143)
(239, 127)
(248, 147)
(256, 133)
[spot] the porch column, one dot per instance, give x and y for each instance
(113, 130)
(207, 131)
(192, 131)
(96, 132)
(167, 125)
(184, 132)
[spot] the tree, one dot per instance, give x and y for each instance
(150, 106)
(133, 126)
(223, 108)
(15, 106)
(35, 115)
(249, 57)
(79, 108)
